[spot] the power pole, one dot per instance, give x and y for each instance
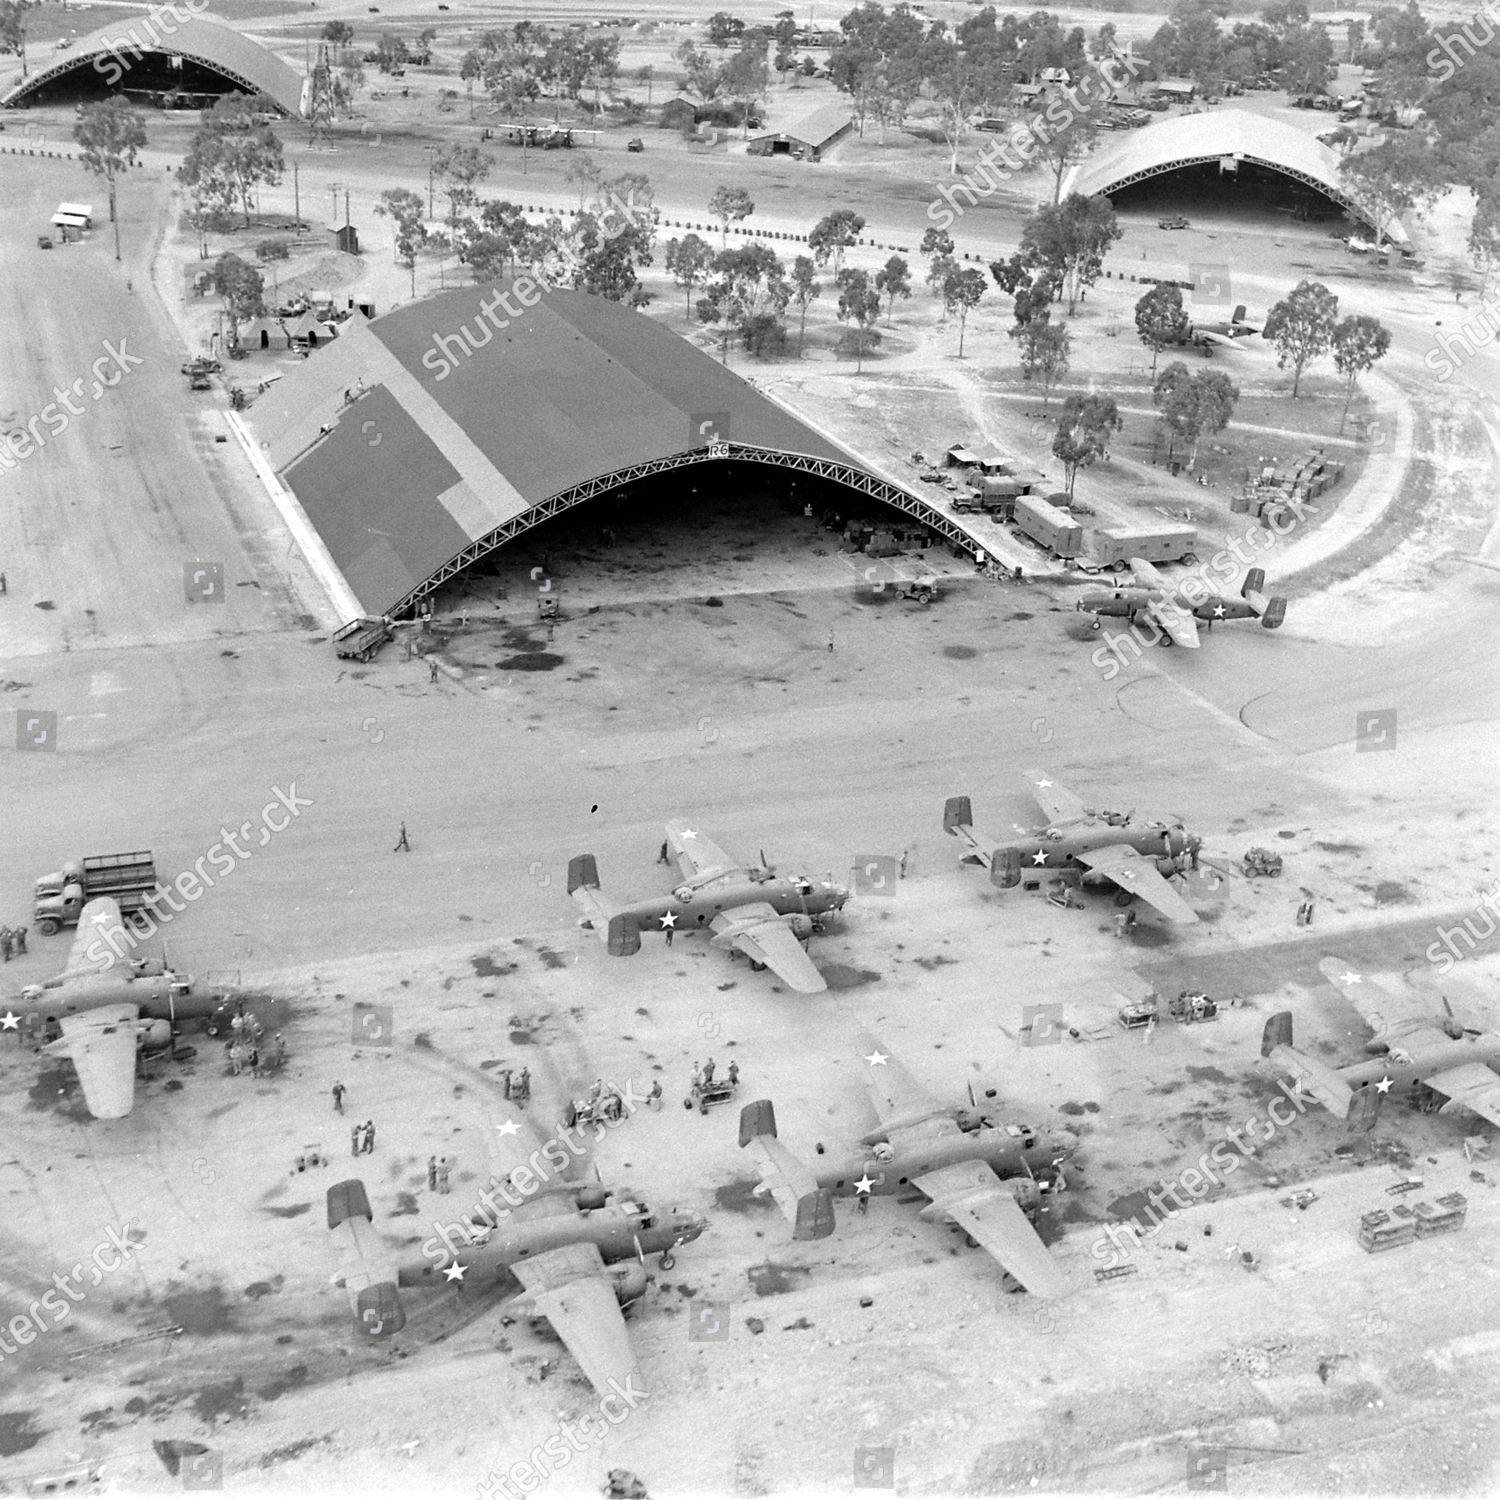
(297, 198)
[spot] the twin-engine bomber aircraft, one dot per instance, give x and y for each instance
(1413, 1051)
(920, 1145)
(749, 908)
(1178, 609)
(106, 1009)
(578, 1257)
(1081, 846)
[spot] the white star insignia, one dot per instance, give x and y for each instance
(509, 1127)
(864, 1184)
(1219, 611)
(455, 1272)
(1350, 977)
(1385, 1084)
(1040, 857)
(669, 919)
(689, 833)
(1044, 782)
(10, 1021)
(877, 1059)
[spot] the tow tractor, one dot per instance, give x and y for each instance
(701, 1095)
(1258, 861)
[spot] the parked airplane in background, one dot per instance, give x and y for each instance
(1435, 1052)
(1179, 609)
(106, 1011)
(1080, 846)
(919, 1145)
(749, 908)
(577, 1257)
(1234, 327)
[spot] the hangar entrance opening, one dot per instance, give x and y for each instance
(1252, 195)
(156, 81)
(697, 532)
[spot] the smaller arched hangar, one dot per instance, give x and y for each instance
(1229, 138)
(159, 47)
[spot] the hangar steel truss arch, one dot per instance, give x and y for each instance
(1203, 159)
(849, 475)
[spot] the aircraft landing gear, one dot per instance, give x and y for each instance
(667, 1260)
(1124, 898)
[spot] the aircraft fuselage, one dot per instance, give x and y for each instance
(157, 997)
(1435, 1059)
(1005, 1154)
(692, 909)
(618, 1234)
(1167, 845)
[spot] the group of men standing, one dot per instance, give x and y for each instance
(362, 1139)
(12, 942)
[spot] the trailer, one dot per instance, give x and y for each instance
(59, 897)
(1114, 546)
(360, 639)
(1048, 527)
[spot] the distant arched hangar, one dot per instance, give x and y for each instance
(1228, 140)
(162, 52)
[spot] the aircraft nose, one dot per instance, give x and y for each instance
(1066, 1142)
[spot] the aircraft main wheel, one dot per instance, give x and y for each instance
(1098, 624)
(667, 1261)
(687, 1103)
(756, 967)
(1124, 898)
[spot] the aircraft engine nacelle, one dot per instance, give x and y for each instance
(153, 1034)
(1005, 868)
(630, 1281)
(592, 1197)
(1028, 1195)
(801, 924)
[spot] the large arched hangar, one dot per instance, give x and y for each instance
(162, 51)
(1226, 140)
(420, 442)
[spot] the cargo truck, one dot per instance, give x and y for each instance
(60, 897)
(1048, 527)
(994, 494)
(1114, 546)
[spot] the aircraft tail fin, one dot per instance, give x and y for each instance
(1309, 1076)
(805, 1205)
(958, 812)
(583, 873)
(1005, 868)
(365, 1271)
(622, 935)
(1255, 583)
(1274, 613)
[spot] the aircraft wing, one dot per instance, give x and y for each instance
(570, 1287)
(1213, 337)
(1387, 1014)
(1472, 1085)
(102, 1044)
(977, 1201)
(1148, 575)
(906, 1111)
(1060, 805)
(697, 856)
(761, 932)
(365, 1270)
(513, 1146)
(1176, 621)
(100, 940)
(1132, 871)
(958, 819)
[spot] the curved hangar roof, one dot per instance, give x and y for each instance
(211, 44)
(421, 441)
(1193, 140)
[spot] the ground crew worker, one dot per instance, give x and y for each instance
(236, 1057)
(280, 1050)
(431, 1173)
(255, 1062)
(355, 1141)
(708, 1071)
(431, 671)
(505, 1081)
(697, 1075)
(19, 938)
(403, 842)
(661, 858)
(671, 933)
(862, 1199)
(734, 1074)
(5, 942)
(523, 1086)
(338, 1098)
(442, 1174)
(369, 1137)
(653, 1098)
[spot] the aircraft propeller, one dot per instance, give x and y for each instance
(1453, 1026)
